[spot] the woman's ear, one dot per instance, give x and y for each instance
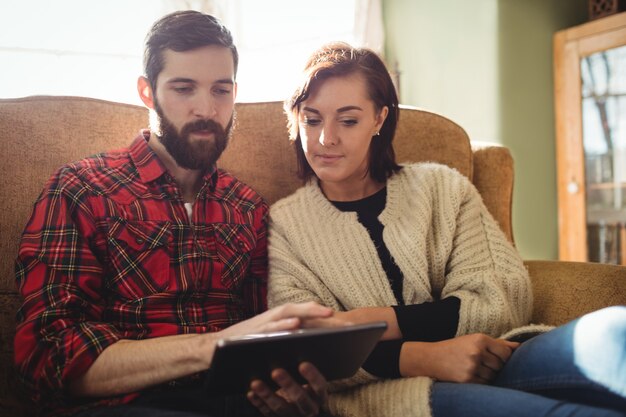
(381, 117)
(145, 92)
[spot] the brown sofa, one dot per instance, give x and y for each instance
(38, 134)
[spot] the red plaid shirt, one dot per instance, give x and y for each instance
(110, 253)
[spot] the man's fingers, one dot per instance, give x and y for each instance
(285, 317)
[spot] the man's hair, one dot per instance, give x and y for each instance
(339, 59)
(183, 31)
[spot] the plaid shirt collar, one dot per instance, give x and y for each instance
(150, 167)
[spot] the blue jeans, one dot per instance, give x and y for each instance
(578, 369)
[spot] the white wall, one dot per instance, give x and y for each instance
(446, 51)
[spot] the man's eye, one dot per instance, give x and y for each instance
(182, 90)
(222, 91)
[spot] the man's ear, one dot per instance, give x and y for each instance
(235, 91)
(145, 92)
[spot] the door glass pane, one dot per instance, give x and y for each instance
(604, 141)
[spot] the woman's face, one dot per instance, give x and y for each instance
(337, 122)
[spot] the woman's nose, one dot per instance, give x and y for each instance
(327, 137)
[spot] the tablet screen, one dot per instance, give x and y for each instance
(337, 352)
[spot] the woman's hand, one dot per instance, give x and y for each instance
(291, 399)
(472, 358)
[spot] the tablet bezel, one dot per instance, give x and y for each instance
(337, 352)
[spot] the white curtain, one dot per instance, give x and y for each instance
(368, 17)
(369, 30)
(206, 6)
(84, 55)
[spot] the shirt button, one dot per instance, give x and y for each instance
(139, 240)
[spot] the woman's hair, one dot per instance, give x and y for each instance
(183, 31)
(339, 60)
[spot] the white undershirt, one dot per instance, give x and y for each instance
(189, 208)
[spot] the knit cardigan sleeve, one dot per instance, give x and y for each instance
(485, 271)
(362, 395)
(293, 282)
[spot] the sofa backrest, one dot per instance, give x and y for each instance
(39, 134)
(261, 155)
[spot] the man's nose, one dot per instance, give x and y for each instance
(204, 106)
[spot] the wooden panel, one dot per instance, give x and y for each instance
(570, 46)
(602, 41)
(570, 163)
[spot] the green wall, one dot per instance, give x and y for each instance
(487, 64)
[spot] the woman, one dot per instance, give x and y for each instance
(415, 246)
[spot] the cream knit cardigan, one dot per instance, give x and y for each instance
(442, 238)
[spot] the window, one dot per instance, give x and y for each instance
(93, 48)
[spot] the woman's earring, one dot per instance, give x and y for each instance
(377, 133)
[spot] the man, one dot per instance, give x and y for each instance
(134, 263)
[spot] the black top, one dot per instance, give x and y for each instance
(368, 210)
(427, 322)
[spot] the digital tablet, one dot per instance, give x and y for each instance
(337, 352)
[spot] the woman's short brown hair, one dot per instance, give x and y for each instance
(337, 60)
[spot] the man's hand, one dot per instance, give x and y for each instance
(133, 365)
(291, 399)
(472, 358)
(285, 317)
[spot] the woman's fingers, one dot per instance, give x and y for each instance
(491, 361)
(316, 383)
(267, 401)
(259, 404)
(295, 394)
(309, 310)
(501, 348)
(291, 399)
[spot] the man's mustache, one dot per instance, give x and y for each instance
(202, 125)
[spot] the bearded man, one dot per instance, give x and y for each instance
(135, 262)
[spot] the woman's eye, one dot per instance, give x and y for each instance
(349, 122)
(311, 122)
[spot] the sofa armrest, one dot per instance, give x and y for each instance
(493, 178)
(564, 290)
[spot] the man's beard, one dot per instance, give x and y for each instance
(200, 154)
